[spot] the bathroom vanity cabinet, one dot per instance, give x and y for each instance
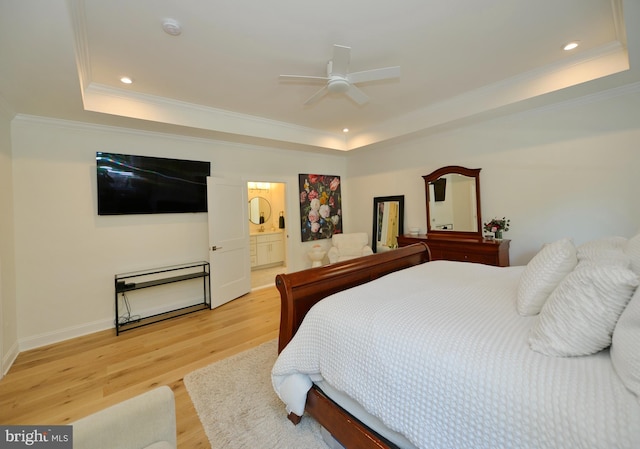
(267, 249)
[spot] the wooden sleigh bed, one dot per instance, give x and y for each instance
(299, 291)
(440, 354)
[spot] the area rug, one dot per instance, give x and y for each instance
(239, 409)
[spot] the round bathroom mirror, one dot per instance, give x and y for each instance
(259, 210)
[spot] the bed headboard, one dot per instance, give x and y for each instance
(300, 290)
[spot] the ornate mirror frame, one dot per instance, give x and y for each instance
(396, 222)
(453, 169)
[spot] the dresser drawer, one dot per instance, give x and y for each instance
(462, 249)
(461, 256)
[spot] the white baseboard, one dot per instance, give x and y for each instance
(9, 358)
(57, 336)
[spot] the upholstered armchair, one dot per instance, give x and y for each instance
(144, 421)
(349, 246)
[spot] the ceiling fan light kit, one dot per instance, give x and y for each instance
(338, 85)
(340, 81)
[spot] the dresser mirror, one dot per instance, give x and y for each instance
(259, 210)
(453, 201)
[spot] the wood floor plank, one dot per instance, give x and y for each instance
(61, 383)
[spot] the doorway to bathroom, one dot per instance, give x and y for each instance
(267, 232)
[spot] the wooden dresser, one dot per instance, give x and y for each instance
(464, 249)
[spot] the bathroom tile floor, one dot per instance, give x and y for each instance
(266, 277)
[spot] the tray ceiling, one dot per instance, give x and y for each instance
(460, 61)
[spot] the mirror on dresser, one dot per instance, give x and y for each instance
(259, 210)
(453, 201)
(454, 221)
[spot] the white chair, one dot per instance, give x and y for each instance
(349, 246)
(144, 421)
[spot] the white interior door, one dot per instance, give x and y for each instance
(228, 240)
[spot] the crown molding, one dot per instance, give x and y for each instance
(583, 68)
(73, 125)
(618, 21)
(104, 99)
(598, 63)
(80, 42)
(100, 98)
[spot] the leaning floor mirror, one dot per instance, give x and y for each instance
(388, 222)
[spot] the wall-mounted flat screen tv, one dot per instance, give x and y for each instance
(150, 185)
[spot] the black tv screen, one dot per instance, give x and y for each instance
(150, 185)
(439, 189)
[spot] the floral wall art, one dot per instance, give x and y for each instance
(320, 206)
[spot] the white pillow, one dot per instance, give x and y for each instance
(607, 250)
(581, 314)
(543, 274)
(633, 251)
(625, 345)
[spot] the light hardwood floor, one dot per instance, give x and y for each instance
(60, 383)
(266, 276)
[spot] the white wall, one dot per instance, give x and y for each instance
(567, 171)
(67, 255)
(572, 170)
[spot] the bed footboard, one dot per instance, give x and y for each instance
(299, 291)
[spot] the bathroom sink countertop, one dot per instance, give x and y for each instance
(267, 231)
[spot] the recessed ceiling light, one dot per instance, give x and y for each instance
(171, 27)
(126, 80)
(345, 130)
(571, 45)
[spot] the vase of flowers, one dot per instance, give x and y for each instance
(497, 226)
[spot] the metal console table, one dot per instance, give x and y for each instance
(127, 282)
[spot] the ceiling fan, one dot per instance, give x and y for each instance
(339, 80)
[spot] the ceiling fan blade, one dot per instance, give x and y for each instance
(340, 61)
(318, 95)
(357, 95)
(374, 75)
(304, 77)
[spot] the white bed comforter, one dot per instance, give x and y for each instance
(440, 355)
